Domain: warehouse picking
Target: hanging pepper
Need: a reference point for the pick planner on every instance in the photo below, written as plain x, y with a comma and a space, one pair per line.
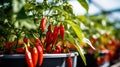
49, 27
25, 40
69, 61
48, 48
40, 54
20, 50
43, 24
28, 57
62, 31
49, 36
57, 49
50, 39
55, 34
34, 53
37, 40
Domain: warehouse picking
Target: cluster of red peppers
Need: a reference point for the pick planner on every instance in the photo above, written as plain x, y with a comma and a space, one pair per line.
51, 38
34, 54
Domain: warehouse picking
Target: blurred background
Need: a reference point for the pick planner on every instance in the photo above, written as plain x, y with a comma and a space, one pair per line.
102, 26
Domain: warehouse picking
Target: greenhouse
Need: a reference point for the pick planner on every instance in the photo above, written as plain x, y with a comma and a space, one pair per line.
60, 33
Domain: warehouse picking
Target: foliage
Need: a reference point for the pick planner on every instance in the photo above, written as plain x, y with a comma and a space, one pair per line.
21, 18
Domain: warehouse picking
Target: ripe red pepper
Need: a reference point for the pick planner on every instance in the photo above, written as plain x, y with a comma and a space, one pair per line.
28, 46
7, 45
41, 46
50, 38
69, 61
55, 34
40, 54
47, 37
49, 27
48, 48
34, 53
62, 31
43, 24
25, 40
20, 50
37, 40
56, 51
28, 57
59, 48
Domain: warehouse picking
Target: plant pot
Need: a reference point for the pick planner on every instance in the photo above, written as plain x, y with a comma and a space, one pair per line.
50, 60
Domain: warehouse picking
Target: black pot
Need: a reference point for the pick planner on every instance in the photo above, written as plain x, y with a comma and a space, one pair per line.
50, 60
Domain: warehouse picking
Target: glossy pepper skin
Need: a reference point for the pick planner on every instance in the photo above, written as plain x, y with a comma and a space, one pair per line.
43, 24
40, 54
20, 50
55, 34
48, 48
28, 57
49, 36
34, 53
62, 31
69, 62
25, 40
37, 40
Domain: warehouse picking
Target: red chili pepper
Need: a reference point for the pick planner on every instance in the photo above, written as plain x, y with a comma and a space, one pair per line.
37, 40
28, 58
49, 27
34, 53
56, 51
25, 40
40, 54
47, 37
48, 48
59, 48
7, 45
41, 46
69, 61
20, 50
28, 46
43, 24
55, 34
50, 38
62, 31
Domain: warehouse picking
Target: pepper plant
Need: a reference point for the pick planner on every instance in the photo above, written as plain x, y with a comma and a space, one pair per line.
28, 23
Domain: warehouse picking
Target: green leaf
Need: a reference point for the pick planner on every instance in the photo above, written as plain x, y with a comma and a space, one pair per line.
80, 51
17, 5
88, 42
76, 29
77, 46
84, 4
59, 9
